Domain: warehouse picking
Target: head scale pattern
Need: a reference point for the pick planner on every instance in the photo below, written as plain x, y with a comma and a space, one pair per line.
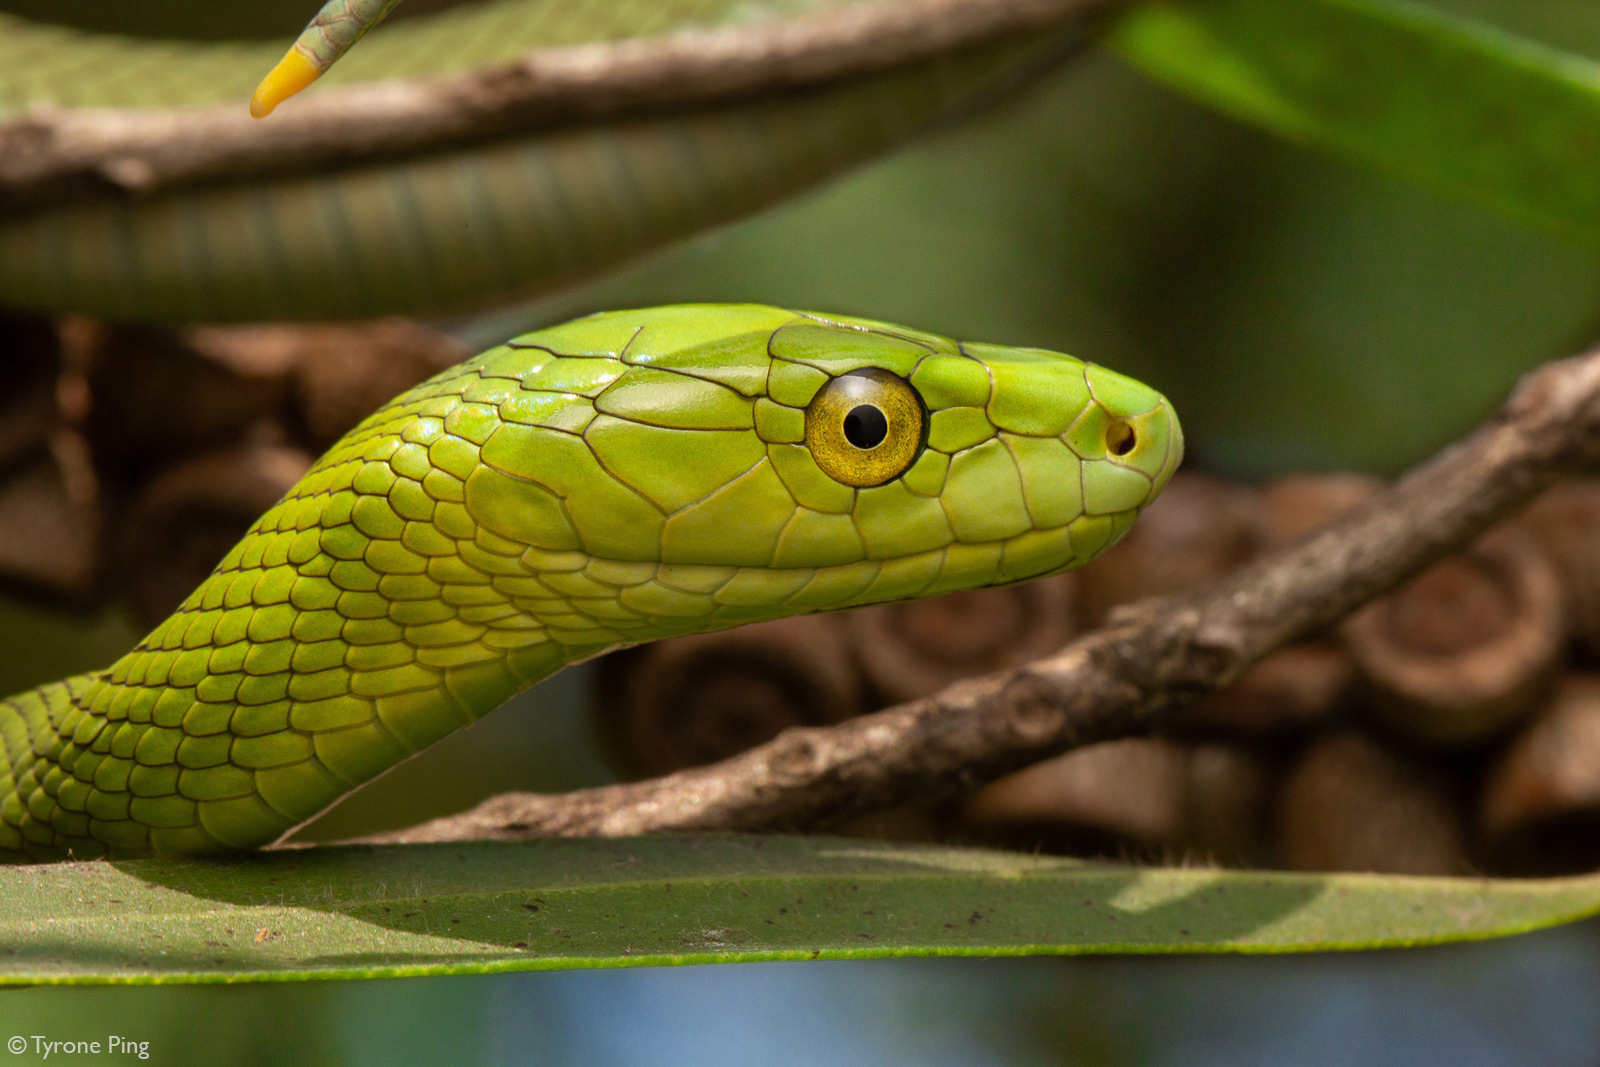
617, 479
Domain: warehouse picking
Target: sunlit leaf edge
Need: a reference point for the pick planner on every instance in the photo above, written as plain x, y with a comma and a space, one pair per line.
391, 912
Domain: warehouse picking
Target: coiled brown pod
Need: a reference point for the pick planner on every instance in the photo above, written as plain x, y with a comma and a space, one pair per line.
1351, 804
1148, 797
1464, 650
342, 373
1198, 530
190, 515
1540, 809
161, 398
698, 699
1566, 521
911, 649
30, 366
1297, 687
51, 520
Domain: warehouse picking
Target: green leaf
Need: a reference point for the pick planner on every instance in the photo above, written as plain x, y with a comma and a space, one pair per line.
1449, 102
446, 909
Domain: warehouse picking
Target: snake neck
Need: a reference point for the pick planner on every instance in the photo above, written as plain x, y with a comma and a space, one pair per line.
361, 619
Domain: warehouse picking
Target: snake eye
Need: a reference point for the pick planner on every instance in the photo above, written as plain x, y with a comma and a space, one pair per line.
865, 428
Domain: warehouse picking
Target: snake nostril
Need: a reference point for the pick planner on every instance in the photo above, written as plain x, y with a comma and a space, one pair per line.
1120, 438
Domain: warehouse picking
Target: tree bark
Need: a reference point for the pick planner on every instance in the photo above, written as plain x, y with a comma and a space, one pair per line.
51, 153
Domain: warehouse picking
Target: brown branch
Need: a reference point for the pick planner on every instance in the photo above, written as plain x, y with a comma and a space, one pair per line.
52, 152
1151, 659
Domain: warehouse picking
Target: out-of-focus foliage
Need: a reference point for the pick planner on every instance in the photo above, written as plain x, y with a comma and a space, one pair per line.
1453, 102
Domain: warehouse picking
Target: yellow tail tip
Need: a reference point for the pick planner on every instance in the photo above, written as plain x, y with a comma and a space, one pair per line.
293, 73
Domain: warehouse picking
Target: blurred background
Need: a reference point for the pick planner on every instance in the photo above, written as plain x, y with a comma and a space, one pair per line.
1303, 315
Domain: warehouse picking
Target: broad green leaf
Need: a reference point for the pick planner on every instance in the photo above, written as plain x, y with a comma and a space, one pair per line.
369, 912
1447, 101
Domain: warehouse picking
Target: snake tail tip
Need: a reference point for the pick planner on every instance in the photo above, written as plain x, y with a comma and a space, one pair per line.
293, 73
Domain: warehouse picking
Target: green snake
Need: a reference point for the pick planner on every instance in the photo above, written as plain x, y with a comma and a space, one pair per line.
433, 227
625, 477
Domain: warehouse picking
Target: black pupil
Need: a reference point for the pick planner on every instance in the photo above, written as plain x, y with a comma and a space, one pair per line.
865, 427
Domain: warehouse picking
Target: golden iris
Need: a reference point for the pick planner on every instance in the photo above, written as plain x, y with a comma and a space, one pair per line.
865, 428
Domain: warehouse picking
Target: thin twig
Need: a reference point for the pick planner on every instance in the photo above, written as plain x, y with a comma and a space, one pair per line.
1154, 656
51, 153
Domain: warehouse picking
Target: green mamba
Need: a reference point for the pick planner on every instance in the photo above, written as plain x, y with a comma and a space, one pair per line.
626, 477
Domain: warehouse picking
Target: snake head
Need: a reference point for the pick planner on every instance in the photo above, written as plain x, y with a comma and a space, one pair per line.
622, 478
771, 462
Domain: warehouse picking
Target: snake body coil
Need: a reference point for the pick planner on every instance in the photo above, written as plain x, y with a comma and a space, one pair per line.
622, 478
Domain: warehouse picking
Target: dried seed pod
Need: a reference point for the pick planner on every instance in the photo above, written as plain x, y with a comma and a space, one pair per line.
1566, 520
1291, 689
185, 520
30, 365
51, 521
1113, 797
1465, 649
1198, 529
158, 400
1144, 796
906, 822
1293, 506
345, 372
698, 699
1228, 794
1301, 686
911, 649
1350, 804
1540, 809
